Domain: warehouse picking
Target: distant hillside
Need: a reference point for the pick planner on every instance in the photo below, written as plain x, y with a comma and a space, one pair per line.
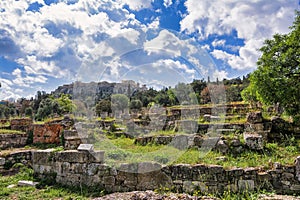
98, 90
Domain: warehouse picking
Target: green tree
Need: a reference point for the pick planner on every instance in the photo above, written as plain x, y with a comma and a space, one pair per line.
47, 108
103, 106
136, 104
65, 104
119, 102
29, 111
277, 78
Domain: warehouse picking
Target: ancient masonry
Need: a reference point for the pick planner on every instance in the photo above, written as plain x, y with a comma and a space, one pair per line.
87, 168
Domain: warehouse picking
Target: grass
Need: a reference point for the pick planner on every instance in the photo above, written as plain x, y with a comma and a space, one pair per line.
45, 193
7, 131
122, 150
6, 124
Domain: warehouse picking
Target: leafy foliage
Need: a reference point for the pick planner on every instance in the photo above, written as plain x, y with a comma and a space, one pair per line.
103, 106
277, 78
119, 102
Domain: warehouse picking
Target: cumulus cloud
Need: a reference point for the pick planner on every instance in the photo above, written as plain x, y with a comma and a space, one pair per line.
220, 75
216, 43
138, 4
53, 41
74, 39
253, 21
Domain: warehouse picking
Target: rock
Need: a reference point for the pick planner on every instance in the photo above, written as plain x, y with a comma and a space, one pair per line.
11, 186
246, 185
297, 163
254, 117
277, 165
27, 183
222, 147
221, 158
254, 141
86, 147
2, 161
236, 143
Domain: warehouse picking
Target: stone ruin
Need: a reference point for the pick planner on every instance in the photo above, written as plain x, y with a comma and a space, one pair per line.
87, 167
84, 167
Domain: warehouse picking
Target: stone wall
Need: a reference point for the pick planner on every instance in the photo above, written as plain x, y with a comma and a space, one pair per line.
12, 140
47, 133
78, 168
24, 157
23, 124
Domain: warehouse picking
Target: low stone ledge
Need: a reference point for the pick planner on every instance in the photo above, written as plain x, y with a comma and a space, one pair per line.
13, 140
74, 156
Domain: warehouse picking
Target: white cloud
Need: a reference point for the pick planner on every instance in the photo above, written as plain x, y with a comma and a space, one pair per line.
254, 21
216, 43
17, 72
138, 4
220, 75
205, 47
5, 83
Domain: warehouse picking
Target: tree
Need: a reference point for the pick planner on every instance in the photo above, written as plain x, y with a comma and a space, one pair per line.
213, 93
47, 108
103, 106
136, 104
119, 102
29, 111
277, 78
65, 104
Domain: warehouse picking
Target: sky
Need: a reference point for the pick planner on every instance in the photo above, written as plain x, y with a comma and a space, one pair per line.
47, 43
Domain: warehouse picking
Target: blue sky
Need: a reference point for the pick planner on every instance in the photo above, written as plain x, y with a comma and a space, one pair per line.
47, 43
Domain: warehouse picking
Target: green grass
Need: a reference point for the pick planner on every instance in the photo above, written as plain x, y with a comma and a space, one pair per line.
274, 153
7, 124
7, 131
164, 133
122, 150
28, 193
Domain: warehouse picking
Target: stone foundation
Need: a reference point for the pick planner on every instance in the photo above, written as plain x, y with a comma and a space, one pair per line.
75, 168
47, 133
12, 140
23, 124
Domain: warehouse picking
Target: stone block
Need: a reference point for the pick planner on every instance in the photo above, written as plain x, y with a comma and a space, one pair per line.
222, 147
43, 157
129, 167
72, 156
78, 168
236, 172
92, 169
254, 117
232, 187
187, 126
2, 161
297, 164
27, 183
86, 147
254, 141
263, 176
246, 185
192, 186
145, 167
295, 187
287, 176
47, 133
109, 180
